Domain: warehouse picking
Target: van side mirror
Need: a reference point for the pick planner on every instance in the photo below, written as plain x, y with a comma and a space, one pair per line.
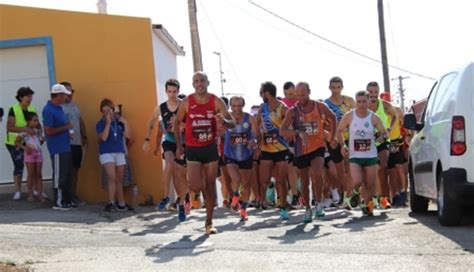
409, 122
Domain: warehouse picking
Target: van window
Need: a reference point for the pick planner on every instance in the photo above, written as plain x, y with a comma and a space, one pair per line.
429, 103
445, 95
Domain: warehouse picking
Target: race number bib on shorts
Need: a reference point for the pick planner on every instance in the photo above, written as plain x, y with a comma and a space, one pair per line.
394, 147
310, 128
270, 139
203, 134
238, 138
362, 145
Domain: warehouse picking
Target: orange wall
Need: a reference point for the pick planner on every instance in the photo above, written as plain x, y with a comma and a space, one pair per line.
102, 56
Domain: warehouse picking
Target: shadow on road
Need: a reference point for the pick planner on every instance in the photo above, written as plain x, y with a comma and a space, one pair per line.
355, 224
184, 247
462, 235
22, 211
298, 233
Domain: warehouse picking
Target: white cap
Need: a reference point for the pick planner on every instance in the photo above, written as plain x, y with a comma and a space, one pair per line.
58, 88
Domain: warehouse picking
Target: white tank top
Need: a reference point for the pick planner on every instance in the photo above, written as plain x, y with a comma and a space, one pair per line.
361, 137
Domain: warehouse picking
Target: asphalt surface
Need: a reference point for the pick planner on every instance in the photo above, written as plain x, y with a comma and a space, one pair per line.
88, 239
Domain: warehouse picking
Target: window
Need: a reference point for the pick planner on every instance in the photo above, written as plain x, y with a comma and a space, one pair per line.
445, 94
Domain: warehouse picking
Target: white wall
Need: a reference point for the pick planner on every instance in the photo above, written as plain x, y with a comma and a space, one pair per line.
165, 66
22, 66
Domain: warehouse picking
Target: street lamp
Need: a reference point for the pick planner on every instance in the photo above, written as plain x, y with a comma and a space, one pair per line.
220, 71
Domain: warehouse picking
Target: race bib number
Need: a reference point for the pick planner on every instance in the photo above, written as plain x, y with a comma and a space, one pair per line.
394, 147
238, 139
203, 134
269, 139
170, 127
362, 145
310, 128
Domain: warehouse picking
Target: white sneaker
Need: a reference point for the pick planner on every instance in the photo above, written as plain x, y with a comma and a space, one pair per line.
44, 195
326, 203
17, 196
335, 196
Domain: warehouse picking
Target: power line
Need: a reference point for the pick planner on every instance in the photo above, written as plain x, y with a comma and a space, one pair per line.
334, 43
299, 37
222, 47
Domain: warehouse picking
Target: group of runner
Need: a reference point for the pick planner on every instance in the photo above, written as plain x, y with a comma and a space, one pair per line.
307, 150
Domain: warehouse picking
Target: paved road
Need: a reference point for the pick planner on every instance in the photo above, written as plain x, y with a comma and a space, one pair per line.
89, 239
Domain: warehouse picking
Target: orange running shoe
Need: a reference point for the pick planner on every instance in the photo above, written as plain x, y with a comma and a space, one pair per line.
385, 203
244, 216
235, 202
370, 208
196, 202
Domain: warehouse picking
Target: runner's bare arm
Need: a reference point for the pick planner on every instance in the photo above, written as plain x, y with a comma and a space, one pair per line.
389, 109
182, 111
377, 122
159, 136
343, 125
227, 119
151, 125
285, 130
258, 123
400, 115
331, 118
152, 122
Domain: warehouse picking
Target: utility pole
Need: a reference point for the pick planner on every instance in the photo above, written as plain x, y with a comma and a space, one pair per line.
220, 72
383, 47
196, 44
401, 90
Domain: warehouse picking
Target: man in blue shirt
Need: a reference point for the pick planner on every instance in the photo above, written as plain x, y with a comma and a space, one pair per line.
56, 129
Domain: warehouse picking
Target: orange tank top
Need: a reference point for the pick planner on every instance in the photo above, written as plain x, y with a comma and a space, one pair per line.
311, 123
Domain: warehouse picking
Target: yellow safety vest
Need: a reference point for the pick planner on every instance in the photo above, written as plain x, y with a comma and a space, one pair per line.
20, 122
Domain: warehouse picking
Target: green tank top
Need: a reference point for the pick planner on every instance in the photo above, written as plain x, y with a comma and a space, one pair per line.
382, 114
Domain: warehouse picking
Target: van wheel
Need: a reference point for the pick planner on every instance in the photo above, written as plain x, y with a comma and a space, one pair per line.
418, 203
449, 210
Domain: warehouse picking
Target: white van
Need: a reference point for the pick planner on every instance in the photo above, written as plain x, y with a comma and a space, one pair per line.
441, 161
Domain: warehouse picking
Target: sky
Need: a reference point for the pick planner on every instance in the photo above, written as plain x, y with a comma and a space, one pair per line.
428, 37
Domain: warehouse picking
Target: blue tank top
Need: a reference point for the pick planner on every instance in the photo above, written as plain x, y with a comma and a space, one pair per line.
236, 140
167, 123
339, 110
271, 122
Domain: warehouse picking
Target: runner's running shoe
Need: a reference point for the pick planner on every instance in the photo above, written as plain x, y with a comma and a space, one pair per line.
163, 203
181, 213
196, 202
284, 214
385, 203
319, 211
210, 229
244, 216
235, 202
308, 216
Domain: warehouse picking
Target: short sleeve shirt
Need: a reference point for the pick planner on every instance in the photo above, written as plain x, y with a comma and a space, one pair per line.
114, 143
73, 115
54, 117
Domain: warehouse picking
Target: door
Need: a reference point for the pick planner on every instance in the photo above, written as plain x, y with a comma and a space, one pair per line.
22, 66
